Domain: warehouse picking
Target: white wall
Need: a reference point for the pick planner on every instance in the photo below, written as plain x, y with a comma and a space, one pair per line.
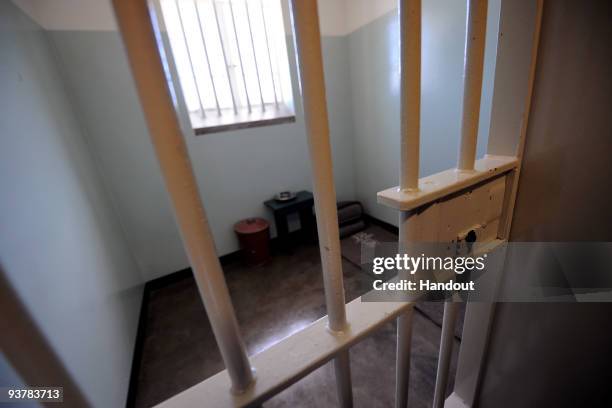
362, 12
98, 15
60, 244
237, 171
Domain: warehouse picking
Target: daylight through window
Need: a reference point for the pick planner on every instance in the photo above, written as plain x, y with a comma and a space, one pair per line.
231, 58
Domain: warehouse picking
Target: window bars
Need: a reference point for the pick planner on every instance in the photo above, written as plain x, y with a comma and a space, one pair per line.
231, 57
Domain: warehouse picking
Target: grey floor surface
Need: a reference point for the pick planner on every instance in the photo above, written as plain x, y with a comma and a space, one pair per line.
272, 302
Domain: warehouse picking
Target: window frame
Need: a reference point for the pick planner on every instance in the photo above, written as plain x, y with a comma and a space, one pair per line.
283, 112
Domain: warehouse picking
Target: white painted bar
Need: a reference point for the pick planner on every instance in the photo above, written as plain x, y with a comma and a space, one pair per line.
446, 348
300, 355
138, 36
472, 82
342, 369
263, 17
410, 127
441, 184
409, 230
402, 362
310, 65
246, 91
510, 110
210, 75
248, 15
195, 81
229, 78
410, 102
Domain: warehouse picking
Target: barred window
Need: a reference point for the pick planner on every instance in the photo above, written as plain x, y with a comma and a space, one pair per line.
232, 63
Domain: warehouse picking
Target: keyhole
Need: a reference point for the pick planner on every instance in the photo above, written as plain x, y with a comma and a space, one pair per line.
471, 237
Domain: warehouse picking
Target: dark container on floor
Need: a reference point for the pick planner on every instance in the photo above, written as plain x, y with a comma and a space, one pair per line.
254, 237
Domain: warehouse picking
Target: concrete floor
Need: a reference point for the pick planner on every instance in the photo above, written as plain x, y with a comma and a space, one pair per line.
272, 302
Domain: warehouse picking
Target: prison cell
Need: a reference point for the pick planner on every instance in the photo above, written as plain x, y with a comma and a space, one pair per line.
435, 208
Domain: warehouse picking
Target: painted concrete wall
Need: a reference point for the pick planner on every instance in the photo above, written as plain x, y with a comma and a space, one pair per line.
97, 15
61, 246
559, 354
237, 171
375, 82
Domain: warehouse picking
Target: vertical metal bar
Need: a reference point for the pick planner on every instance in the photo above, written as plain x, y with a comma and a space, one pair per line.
195, 81
229, 78
402, 365
135, 24
408, 232
342, 369
310, 64
446, 349
306, 25
246, 91
410, 106
212, 81
246, 6
472, 81
263, 17
410, 63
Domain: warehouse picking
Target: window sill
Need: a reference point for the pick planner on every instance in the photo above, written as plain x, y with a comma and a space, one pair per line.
228, 121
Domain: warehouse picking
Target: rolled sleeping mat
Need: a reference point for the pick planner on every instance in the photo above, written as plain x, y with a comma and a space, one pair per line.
349, 211
351, 228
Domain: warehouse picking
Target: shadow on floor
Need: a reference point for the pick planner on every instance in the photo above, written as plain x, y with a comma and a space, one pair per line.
272, 302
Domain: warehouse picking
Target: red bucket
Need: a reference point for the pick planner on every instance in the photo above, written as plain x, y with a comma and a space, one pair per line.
254, 237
